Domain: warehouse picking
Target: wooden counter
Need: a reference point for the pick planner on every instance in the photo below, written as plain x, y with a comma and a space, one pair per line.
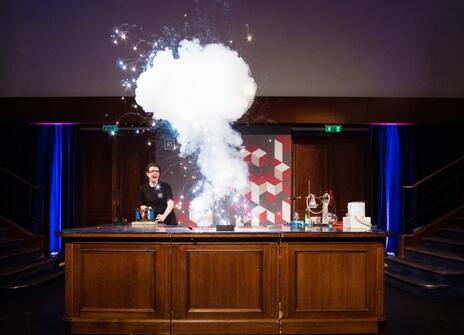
121, 280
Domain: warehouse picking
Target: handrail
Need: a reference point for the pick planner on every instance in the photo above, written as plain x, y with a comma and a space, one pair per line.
24, 202
21, 179
422, 205
432, 174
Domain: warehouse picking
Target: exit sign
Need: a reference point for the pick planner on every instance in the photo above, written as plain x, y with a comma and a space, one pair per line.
111, 129
333, 128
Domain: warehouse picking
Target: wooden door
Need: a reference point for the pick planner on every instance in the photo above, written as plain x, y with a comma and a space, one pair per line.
111, 170
339, 164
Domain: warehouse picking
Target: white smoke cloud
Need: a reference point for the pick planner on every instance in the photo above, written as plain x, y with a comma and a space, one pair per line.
201, 93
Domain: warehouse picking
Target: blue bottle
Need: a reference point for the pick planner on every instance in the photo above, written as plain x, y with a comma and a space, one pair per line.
138, 217
151, 214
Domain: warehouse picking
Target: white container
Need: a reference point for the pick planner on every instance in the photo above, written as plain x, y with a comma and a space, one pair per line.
357, 208
356, 222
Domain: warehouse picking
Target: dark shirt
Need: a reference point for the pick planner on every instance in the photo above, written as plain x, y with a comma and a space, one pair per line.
157, 198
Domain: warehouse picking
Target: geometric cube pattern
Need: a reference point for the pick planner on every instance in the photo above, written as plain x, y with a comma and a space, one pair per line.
269, 159
258, 157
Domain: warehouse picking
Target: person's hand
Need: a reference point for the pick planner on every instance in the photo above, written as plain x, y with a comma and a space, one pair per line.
142, 212
160, 218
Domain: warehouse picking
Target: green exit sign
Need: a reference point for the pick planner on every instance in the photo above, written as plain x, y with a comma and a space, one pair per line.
111, 129
333, 128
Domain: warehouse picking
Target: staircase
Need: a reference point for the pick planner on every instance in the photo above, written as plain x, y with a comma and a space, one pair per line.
431, 251
431, 260
22, 253
22, 260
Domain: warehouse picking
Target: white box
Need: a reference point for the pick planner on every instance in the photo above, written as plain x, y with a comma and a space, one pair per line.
357, 222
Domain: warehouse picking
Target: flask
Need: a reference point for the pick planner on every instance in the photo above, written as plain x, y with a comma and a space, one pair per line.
146, 212
307, 218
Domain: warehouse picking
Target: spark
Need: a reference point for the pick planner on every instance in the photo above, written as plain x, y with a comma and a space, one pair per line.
249, 35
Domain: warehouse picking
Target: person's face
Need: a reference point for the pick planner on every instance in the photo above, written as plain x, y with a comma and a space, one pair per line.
153, 174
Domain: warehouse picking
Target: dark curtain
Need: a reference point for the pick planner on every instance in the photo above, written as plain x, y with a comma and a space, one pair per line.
56, 168
386, 143
43, 157
70, 188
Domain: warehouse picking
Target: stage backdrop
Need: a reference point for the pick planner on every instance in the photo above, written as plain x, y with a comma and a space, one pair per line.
268, 158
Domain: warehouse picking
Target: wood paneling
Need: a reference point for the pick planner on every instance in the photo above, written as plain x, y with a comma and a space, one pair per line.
265, 110
133, 155
206, 295
340, 164
353, 110
81, 110
345, 295
95, 178
106, 287
224, 283
117, 281
111, 170
246, 283
331, 283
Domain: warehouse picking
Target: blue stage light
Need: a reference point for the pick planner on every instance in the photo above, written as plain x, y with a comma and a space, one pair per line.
55, 191
389, 190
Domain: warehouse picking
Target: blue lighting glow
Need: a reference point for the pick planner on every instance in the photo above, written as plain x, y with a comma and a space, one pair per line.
389, 190
56, 190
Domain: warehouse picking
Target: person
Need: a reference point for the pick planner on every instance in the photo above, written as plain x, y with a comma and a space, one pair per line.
157, 195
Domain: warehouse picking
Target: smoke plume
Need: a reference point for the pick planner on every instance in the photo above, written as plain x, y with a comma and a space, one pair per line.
201, 90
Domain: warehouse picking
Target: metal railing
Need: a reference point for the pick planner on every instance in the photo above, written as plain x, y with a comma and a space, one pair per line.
22, 202
433, 196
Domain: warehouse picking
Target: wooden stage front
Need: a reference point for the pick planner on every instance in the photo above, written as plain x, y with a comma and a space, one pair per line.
158, 280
